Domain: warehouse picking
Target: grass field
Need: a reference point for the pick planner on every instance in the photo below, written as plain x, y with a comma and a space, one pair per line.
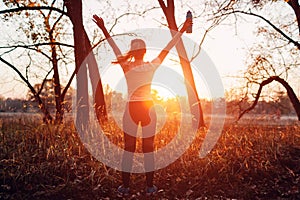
250, 161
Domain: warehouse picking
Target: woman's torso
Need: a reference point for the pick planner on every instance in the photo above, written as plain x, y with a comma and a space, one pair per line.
139, 80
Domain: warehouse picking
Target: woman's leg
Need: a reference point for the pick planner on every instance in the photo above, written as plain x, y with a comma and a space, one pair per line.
149, 129
130, 143
130, 130
148, 149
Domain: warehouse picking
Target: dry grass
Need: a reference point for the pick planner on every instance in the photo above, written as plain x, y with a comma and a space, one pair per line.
249, 162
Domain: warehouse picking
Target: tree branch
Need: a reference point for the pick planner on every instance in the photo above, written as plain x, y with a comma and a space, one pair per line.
295, 6
37, 44
47, 116
64, 92
44, 81
126, 14
19, 9
293, 98
297, 44
261, 85
162, 5
171, 6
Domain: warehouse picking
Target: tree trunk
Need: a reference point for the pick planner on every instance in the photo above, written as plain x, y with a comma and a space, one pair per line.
293, 97
54, 61
56, 82
291, 94
194, 102
98, 94
83, 51
74, 10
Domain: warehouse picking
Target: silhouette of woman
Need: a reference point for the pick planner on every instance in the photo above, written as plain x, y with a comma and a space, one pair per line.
138, 75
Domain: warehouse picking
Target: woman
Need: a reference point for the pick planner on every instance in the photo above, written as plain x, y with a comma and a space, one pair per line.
138, 74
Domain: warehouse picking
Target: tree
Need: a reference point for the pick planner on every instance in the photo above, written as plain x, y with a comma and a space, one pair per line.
71, 11
47, 95
84, 59
43, 30
194, 102
48, 40
271, 60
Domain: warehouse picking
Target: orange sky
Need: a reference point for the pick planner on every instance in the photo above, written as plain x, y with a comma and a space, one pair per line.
225, 45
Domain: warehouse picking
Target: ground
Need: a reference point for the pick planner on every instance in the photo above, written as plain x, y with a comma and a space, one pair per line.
250, 161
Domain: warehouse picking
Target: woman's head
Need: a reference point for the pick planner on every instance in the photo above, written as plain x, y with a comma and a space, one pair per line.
138, 45
137, 51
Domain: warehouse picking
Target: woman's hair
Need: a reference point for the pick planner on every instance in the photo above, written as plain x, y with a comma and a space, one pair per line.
136, 45
123, 58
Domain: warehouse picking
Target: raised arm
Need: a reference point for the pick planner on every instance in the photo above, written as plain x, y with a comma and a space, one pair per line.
162, 55
99, 21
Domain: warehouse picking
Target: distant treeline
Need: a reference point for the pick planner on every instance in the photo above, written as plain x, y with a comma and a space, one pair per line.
22, 105
281, 106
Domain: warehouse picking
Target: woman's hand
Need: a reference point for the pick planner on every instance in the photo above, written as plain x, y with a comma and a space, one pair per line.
99, 21
188, 22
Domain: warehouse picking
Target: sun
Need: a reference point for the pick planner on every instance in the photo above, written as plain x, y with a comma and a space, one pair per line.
161, 93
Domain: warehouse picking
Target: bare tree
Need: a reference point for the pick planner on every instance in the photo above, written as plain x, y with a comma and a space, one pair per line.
194, 102
44, 37
277, 57
50, 37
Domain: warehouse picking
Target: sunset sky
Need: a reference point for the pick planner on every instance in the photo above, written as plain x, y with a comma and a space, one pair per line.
226, 45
